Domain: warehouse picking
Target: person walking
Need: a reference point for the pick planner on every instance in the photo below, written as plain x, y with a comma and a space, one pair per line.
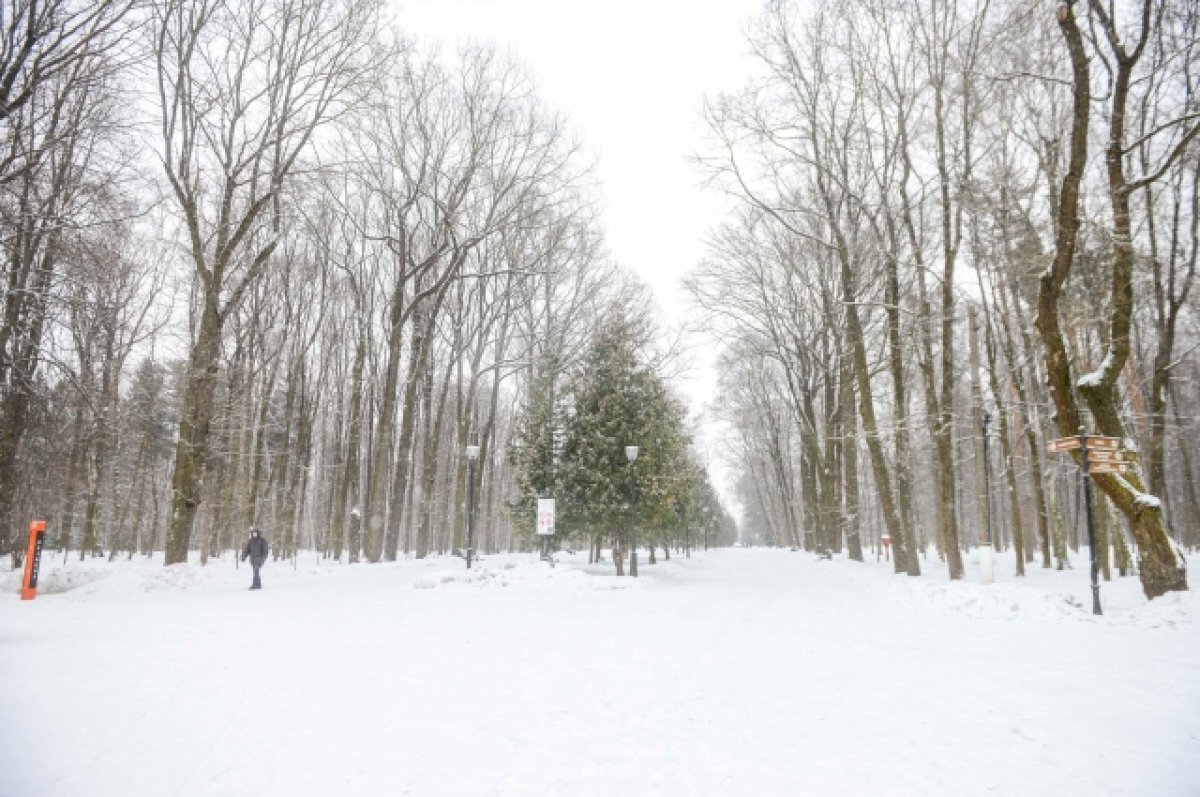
256, 549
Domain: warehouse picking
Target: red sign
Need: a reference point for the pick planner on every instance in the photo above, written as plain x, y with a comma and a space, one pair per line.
33, 559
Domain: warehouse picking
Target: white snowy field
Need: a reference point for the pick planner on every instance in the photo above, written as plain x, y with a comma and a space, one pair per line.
735, 672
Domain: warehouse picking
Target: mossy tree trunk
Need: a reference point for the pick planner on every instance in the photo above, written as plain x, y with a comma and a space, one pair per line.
1159, 570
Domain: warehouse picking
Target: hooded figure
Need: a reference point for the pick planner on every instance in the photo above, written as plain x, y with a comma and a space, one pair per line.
256, 549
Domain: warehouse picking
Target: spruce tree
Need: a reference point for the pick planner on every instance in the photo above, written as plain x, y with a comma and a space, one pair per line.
616, 400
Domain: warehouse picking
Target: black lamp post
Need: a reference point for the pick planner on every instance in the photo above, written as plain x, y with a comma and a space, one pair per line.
1091, 523
687, 548
472, 455
631, 453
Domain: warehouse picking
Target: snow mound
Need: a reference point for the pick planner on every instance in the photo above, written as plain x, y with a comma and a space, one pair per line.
1042, 596
1173, 610
55, 580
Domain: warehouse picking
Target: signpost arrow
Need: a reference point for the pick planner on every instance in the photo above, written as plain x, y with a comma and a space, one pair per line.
1096, 444
1109, 456
1107, 467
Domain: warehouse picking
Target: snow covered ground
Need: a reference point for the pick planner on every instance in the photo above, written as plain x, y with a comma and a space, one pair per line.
736, 672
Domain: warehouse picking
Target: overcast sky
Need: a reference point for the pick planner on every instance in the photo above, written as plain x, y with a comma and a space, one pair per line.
631, 75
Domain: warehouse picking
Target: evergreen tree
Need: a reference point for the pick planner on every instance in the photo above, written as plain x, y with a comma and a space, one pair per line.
616, 401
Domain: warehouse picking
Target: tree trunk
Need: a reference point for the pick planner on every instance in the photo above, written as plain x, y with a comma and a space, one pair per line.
903, 460
375, 501
1029, 413
433, 443
978, 446
191, 451
1158, 568
404, 458
1185, 443
1008, 462
348, 484
850, 468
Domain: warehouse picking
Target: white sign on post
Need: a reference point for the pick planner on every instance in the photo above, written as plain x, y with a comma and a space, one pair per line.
545, 517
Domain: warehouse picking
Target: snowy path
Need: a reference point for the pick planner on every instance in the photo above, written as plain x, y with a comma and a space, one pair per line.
736, 672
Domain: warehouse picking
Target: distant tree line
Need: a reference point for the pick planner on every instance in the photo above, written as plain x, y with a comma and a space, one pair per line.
957, 220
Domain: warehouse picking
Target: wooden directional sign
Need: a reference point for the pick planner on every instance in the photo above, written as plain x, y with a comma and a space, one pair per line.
1109, 456
1095, 443
1108, 467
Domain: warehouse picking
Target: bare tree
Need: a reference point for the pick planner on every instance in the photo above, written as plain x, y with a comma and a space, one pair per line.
59, 148
243, 88
1159, 570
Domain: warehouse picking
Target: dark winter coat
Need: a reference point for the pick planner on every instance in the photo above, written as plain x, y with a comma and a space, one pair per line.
256, 549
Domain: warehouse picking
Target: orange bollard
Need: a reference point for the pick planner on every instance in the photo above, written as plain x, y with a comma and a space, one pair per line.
33, 558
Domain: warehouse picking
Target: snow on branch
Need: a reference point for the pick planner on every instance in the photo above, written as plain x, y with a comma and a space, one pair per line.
1100, 375
1147, 501
1140, 499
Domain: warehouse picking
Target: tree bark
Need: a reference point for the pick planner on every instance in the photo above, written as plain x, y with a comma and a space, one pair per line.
191, 450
